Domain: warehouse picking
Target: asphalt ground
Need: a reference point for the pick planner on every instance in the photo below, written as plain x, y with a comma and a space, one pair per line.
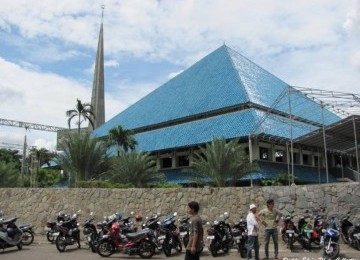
43, 250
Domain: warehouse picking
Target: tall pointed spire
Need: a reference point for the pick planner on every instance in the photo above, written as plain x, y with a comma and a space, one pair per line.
97, 97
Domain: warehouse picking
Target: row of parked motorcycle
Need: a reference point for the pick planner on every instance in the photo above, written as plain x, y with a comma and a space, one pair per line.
134, 236
322, 231
120, 234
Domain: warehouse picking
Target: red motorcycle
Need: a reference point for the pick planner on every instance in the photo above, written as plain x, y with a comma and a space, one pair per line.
139, 243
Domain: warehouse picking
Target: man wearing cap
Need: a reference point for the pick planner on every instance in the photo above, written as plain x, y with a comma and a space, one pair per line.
269, 217
252, 227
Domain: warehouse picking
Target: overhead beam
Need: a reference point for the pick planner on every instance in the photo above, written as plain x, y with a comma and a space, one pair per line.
27, 125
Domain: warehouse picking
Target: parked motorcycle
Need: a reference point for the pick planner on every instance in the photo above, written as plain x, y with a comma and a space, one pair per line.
330, 241
69, 234
219, 236
10, 234
349, 232
184, 229
307, 234
171, 235
132, 243
28, 234
51, 228
27, 229
288, 232
239, 232
91, 234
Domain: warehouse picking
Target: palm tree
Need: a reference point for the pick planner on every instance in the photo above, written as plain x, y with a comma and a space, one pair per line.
221, 162
121, 138
84, 158
84, 110
139, 169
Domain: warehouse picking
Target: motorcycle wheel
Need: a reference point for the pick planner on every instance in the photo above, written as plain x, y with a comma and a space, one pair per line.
105, 248
344, 238
284, 238
290, 244
186, 240
60, 243
335, 252
225, 249
50, 237
357, 244
28, 238
166, 247
20, 246
146, 250
177, 245
92, 247
214, 252
242, 250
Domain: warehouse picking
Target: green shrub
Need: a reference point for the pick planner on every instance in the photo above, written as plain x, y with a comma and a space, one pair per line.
102, 184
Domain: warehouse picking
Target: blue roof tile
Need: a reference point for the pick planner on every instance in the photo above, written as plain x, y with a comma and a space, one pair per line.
222, 79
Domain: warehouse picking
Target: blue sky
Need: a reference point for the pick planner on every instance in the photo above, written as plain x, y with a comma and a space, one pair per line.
48, 48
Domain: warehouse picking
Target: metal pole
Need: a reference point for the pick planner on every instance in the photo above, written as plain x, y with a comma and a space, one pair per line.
324, 138
342, 167
319, 166
251, 159
288, 161
291, 139
356, 149
23, 163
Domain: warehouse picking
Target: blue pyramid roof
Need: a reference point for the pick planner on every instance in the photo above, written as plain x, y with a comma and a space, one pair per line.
177, 113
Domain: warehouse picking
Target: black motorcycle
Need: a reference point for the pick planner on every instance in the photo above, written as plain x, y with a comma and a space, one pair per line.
171, 235
239, 232
184, 229
350, 233
91, 234
289, 232
220, 236
52, 226
69, 234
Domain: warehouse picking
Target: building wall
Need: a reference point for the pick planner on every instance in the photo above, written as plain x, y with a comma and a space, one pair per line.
37, 206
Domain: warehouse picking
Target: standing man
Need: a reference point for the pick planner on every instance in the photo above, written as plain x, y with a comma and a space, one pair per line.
269, 217
253, 228
194, 245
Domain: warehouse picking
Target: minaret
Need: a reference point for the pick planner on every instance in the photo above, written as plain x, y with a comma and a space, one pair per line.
97, 97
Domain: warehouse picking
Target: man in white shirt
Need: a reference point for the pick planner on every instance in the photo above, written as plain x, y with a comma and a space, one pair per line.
253, 228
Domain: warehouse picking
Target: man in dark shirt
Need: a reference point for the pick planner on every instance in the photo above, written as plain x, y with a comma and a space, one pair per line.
194, 246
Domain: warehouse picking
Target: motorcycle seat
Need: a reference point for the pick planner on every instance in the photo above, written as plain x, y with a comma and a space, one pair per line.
137, 235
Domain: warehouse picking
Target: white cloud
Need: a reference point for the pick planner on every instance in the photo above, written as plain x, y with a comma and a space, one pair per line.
110, 63
312, 43
174, 74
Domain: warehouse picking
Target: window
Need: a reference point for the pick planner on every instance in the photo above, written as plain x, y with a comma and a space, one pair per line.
166, 162
183, 161
264, 153
306, 160
279, 156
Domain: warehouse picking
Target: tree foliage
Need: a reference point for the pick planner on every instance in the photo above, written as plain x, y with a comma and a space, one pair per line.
84, 158
9, 174
121, 138
83, 112
139, 169
221, 163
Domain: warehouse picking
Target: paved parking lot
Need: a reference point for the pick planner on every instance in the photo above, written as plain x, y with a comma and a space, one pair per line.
42, 250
